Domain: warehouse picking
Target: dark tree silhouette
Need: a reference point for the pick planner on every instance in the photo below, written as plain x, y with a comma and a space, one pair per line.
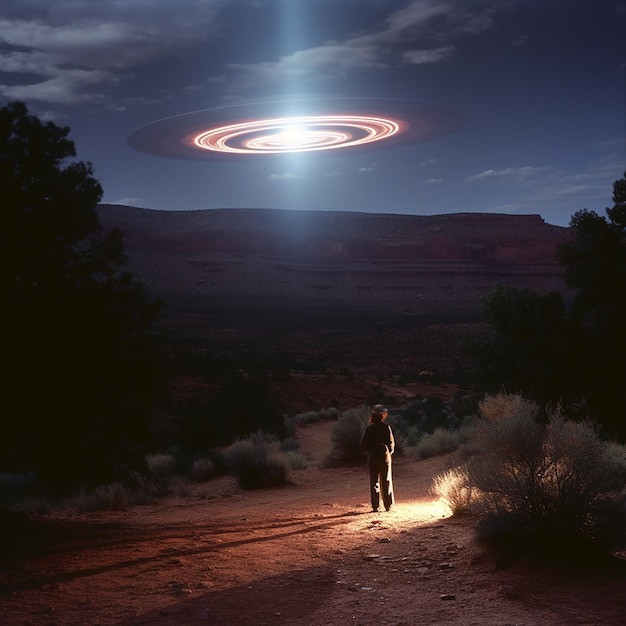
529, 348
82, 366
595, 266
553, 353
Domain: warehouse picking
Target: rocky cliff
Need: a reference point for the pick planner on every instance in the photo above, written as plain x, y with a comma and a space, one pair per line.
405, 261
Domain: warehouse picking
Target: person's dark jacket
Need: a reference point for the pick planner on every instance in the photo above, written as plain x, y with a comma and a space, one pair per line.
378, 442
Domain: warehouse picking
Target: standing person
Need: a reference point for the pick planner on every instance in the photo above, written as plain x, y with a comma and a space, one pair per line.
378, 442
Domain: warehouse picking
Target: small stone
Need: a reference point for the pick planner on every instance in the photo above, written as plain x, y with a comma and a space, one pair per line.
372, 557
447, 596
384, 540
509, 592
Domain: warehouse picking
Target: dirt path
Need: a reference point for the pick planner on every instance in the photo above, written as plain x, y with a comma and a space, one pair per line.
311, 553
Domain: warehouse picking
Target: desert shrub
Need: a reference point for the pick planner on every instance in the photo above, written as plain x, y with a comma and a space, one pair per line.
413, 436
440, 441
297, 460
203, 469
257, 462
427, 415
493, 407
454, 489
290, 444
161, 466
464, 406
32, 505
331, 413
308, 417
313, 417
345, 437
555, 482
113, 497
38, 500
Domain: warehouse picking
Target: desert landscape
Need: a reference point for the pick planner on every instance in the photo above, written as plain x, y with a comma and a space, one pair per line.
306, 554
411, 264
361, 298
363, 302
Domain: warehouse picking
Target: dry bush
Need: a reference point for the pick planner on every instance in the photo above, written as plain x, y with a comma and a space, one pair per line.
440, 441
202, 470
161, 466
345, 437
454, 489
113, 497
257, 462
494, 407
557, 480
313, 417
296, 459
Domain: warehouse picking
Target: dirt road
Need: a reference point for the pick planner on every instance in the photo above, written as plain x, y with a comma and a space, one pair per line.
307, 554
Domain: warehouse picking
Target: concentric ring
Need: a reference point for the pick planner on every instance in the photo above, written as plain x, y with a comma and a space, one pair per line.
288, 126
296, 134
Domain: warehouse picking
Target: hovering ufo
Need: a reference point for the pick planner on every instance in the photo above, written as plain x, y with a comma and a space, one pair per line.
295, 126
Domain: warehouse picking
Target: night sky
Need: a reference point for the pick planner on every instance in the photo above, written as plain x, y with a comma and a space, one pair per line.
540, 84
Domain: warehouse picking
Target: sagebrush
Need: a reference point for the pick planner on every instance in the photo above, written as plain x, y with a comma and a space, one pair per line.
551, 480
257, 461
345, 437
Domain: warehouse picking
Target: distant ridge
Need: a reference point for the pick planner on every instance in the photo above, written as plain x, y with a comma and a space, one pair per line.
344, 257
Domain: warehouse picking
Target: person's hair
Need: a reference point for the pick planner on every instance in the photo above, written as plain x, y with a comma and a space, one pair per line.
376, 417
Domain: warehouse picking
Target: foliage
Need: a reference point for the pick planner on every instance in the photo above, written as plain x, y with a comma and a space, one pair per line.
421, 423
203, 469
493, 407
84, 368
257, 461
557, 354
240, 406
297, 460
552, 483
426, 414
595, 266
346, 435
312, 417
530, 348
454, 488
161, 466
440, 441
114, 497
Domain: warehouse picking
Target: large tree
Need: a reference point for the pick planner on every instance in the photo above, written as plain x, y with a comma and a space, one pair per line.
528, 349
82, 368
550, 352
595, 267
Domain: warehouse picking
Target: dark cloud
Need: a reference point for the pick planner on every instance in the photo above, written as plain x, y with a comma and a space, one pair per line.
540, 83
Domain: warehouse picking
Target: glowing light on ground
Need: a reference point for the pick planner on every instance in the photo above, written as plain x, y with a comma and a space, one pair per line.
435, 509
406, 515
421, 512
295, 126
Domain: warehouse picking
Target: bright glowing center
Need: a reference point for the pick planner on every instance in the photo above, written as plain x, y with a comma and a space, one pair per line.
296, 134
292, 137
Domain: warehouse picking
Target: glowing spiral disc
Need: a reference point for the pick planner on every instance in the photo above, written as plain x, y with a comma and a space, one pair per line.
319, 125
314, 133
